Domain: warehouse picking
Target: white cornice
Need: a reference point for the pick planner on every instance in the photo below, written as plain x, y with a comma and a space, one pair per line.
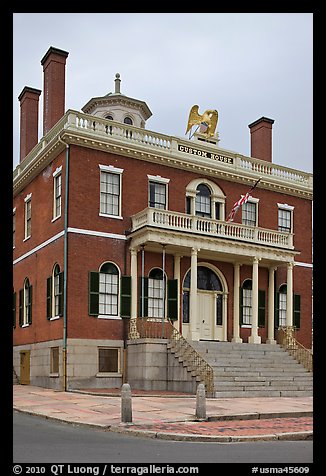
92, 132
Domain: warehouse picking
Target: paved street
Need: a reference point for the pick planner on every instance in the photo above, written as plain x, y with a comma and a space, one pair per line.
40, 440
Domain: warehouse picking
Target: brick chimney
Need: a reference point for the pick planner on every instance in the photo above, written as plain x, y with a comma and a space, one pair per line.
54, 65
28, 98
261, 138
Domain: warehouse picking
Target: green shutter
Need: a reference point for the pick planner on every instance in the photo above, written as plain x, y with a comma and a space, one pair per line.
261, 307
61, 277
276, 310
49, 297
173, 299
125, 297
94, 287
296, 310
30, 298
241, 305
14, 310
21, 303
143, 300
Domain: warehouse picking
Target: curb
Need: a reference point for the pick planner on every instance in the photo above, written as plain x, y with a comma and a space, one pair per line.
298, 436
126, 428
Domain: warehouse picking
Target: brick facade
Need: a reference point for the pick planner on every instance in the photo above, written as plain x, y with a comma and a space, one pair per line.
93, 239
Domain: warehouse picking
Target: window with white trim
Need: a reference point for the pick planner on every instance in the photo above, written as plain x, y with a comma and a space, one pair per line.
25, 304
28, 216
108, 360
285, 217
158, 192
14, 228
156, 288
57, 193
110, 191
247, 303
282, 305
249, 213
109, 290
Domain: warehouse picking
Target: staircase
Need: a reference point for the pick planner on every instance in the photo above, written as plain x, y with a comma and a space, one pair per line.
254, 370
15, 377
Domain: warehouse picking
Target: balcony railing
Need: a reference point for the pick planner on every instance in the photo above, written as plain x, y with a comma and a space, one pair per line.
103, 130
175, 221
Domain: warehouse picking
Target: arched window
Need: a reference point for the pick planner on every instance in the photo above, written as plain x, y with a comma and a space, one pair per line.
109, 117
156, 298
246, 304
108, 290
128, 120
203, 201
56, 290
207, 280
282, 305
25, 304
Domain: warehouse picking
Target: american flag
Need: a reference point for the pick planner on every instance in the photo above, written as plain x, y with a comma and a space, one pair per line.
241, 202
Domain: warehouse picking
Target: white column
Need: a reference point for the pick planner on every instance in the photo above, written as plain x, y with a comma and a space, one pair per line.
236, 304
289, 295
177, 274
133, 272
270, 324
254, 338
193, 295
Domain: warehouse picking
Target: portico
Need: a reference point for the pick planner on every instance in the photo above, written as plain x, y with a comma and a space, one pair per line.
213, 312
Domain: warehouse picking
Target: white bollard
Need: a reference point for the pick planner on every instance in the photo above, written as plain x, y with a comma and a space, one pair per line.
126, 407
201, 402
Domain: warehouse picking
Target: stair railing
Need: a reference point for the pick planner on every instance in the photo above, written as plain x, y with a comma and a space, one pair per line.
285, 337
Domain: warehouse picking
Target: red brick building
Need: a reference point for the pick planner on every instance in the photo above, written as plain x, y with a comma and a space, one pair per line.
113, 222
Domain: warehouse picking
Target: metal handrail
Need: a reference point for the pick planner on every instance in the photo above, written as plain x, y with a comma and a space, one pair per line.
285, 337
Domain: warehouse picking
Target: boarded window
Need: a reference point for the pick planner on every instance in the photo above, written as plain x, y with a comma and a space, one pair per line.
108, 360
54, 364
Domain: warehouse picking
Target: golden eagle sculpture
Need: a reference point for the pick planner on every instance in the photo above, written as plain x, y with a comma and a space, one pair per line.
206, 121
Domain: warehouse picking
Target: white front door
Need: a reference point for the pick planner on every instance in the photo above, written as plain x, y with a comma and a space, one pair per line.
205, 314
206, 317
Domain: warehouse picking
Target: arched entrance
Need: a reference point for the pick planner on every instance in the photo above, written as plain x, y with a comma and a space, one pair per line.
211, 321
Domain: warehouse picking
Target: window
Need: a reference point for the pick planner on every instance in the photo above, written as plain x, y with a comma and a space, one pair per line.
158, 191
247, 302
203, 201
28, 216
14, 228
57, 195
109, 296
110, 191
205, 198
157, 195
108, 360
54, 294
156, 288
25, 304
128, 120
285, 218
249, 213
54, 360
282, 306
108, 290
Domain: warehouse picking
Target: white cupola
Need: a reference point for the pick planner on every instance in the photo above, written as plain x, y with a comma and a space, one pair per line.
118, 107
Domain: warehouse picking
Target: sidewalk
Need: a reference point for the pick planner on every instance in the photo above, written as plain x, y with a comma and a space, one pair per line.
168, 415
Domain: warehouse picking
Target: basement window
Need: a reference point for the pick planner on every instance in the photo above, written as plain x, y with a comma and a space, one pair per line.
108, 360
54, 361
